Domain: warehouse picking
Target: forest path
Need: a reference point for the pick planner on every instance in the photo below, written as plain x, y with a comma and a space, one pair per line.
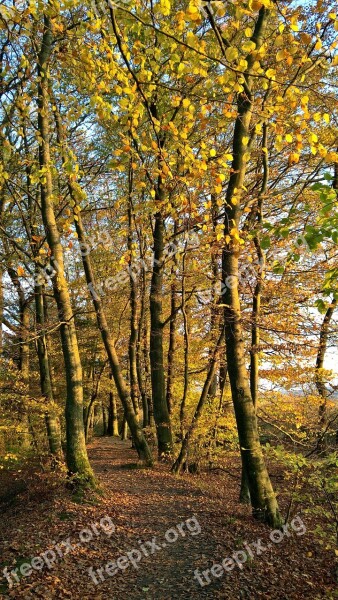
154, 508
152, 503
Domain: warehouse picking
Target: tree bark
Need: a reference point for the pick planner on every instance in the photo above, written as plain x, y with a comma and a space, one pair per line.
143, 371
263, 499
186, 347
51, 418
77, 458
320, 384
172, 332
113, 423
256, 301
161, 413
132, 346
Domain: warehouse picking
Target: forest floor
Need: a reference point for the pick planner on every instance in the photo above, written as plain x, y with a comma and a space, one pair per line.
169, 526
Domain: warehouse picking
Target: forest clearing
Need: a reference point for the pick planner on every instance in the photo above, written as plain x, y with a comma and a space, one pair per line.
168, 299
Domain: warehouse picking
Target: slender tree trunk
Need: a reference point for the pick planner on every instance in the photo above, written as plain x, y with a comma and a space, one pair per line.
172, 332
263, 499
139, 439
161, 413
104, 419
256, 301
182, 457
124, 428
51, 418
136, 431
145, 352
113, 423
320, 384
132, 346
142, 379
186, 347
24, 368
213, 436
23, 363
215, 310
77, 458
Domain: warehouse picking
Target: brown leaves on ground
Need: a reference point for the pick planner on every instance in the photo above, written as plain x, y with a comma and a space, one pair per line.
144, 504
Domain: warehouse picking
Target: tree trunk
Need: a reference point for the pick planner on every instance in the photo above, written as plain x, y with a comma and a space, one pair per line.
23, 363
172, 332
124, 428
52, 420
132, 346
161, 413
136, 431
24, 369
113, 423
320, 384
77, 458
142, 343
139, 439
256, 301
182, 457
186, 347
263, 499
215, 310
104, 420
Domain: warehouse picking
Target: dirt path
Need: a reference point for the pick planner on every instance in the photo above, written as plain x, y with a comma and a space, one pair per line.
170, 527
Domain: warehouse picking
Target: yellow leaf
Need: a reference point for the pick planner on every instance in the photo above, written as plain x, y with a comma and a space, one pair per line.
254, 4
212, 152
294, 158
231, 53
21, 271
165, 7
248, 46
271, 73
289, 137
